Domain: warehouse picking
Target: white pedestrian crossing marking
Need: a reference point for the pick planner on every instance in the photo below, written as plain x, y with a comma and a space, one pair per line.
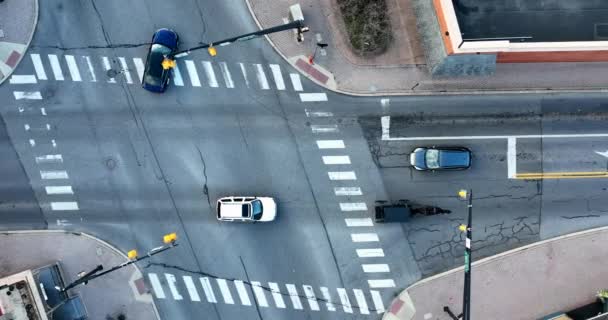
329, 160
226, 74
347, 191
225, 291
330, 144
156, 286
344, 300
278, 77
37, 61
92, 75
171, 282
318, 114
353, 206
359, 222
208, 290
32, 142
311, 298
370, 253
293, 294
210, 74
25, 95
108, 67
378, 304
244, 72
295, 81
22, 79
139, 66
381, 283
53, 175
261, 76
327, 128
361, 301
177, 76
373, 268
276, 295
59, 190
327, 297
125, 69
191, 288
364, 237
342, 175
313, 97
258, 292
56, 67
49, 158
192, 73
242, 291
64, 206
72, 67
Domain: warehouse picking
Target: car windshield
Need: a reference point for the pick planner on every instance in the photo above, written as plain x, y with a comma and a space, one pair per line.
257, 209
155, 66
432, 159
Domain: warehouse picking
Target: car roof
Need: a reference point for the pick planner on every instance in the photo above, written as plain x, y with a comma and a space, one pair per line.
166, 37
233, 209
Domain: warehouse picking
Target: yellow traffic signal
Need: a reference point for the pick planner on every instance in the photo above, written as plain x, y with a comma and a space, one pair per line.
212, 51
132, 255
462, 194
170, 238
168, 63
462, 227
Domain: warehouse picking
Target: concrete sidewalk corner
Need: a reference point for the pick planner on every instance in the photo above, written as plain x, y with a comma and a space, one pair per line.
18, 20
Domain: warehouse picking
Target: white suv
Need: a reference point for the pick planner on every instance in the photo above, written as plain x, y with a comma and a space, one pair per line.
246, 209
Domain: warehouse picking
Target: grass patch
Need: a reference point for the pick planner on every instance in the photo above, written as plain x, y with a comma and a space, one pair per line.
367, 24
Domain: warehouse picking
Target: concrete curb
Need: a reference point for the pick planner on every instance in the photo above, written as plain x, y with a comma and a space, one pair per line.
29, 41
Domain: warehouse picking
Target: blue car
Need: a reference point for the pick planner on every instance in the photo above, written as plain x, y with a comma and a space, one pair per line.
440, 158
155, 78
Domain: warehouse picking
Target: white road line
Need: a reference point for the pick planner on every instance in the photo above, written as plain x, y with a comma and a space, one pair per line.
192, 73
53, 175
177, 77
318, 114
73, 67
295, 81
156, 286
370, 253
329, 160
342, 175
276, 295
64, 206
191, 288
385, 102
313, 97
22, 79
91, 70
242, 291
225, 291
330, 144
525, 136
359, 222
171, 282
125, 69
511, 158
244, 71
353, 206
381, 283
258, 292
208, 290
373, 268
261, 76
59, 190
364, 237
348, 191
325, 292
107, 66
53, 143
32, 142
278, 77
56, 67
226, 74
210, 74
360, 297
344, 300
386, 127
378, 304
311, 298
27, 95
40, 73
43, 111
139, 66
26, 127
328, 128
295, 298
57, 158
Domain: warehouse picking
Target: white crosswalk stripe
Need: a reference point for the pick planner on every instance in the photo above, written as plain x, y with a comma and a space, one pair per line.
225, 291
373, 268
361, 301
91, 71
22, 79
191, 288
64, 206
54, 175
27, 95
38, 66
296, 82
364, 237
311, 298
156, 286
107, 67
139, 66
324, 128
378, 304
327, 297
212, 80
226, 74
177, 76
261, 76
125, 69
353, 206
242, 291
381, 283
329, 160
278, 77
208, 290
56, 67
59, 190
347, 191
342, 175
344, 300
192, 73
370, 253
172, 287
359, 222
293, 294
313, 97
72, 67
258, 291
244, 72
276, 295
330, 144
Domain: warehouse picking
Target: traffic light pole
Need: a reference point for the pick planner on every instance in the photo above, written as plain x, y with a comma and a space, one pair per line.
466, 299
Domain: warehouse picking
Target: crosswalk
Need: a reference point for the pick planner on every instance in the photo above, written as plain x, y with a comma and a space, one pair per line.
208, 74
265, 295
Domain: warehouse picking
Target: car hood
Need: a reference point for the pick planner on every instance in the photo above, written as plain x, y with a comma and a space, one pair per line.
270, 209
456, 158
417, 159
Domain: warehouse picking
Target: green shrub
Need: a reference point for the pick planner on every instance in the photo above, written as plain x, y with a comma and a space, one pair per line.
367, 24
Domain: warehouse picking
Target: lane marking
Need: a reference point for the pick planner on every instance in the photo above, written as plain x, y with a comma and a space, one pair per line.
342, 175
330, 144
278, 76
318, 114
313, 97
57, 158
353, 206
258, 292
296, 82
561, 175
43, 111
347, 191
64, 206
226, 74
360, 297
171, 280
381, 283
191, 288
385, 102
261, 76
208, 290
156, 286
327, 297
139, 67
192, 73
359, 222
370, 253
344, 300
212, 80
511, 158
59, 190
53, 143
22, 79
386, 126
310, 296
37, 61
73, 67
330, 160
177, 77
54, 175
295, 298
56, 67
108, 67
27, 95
225, 291
244, 71
364, 237
26, 127
242, 291
32, 142
378, 304
125, 69
373, 268
276, 295
316, 128
91, 70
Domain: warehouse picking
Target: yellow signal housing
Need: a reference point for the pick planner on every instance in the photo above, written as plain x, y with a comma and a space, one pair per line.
132, 255
462, 194
170, 238
212, 51
168, 64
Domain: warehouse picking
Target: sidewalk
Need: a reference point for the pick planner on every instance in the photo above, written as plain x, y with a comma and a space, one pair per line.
402, 69
18, 20
119, 292
555, 275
